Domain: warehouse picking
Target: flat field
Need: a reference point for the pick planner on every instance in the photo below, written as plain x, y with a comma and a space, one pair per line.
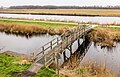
74, 12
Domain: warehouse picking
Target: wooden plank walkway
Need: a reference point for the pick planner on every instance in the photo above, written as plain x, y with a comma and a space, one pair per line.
48, 53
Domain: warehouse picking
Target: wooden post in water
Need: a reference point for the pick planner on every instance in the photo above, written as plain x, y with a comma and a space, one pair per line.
64, 55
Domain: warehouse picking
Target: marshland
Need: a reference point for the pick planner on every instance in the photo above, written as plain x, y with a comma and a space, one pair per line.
31, 27
38, 32
24, 31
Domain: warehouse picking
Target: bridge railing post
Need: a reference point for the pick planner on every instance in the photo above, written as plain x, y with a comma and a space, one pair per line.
84, 26
57, 64
44, 60
33, 59
51, 44
67, 40
44, 56
57, 41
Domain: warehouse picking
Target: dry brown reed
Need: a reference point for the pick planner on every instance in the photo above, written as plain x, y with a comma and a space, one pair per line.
92, 69
30, 29
105, 37
88, 69
24, 29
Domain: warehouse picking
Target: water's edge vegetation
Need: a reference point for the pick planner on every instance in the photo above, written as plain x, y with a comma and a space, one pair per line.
105, 37
31, 27
11, 66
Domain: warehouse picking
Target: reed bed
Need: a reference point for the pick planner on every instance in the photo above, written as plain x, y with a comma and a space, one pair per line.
105, 37
23, 29
92, 69
29, 29
88, 69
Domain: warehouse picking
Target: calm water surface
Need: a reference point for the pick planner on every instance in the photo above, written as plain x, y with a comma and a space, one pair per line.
22, 44
95, 54
66, 18
110, 57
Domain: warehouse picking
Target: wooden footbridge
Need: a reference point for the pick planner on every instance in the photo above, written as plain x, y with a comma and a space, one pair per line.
49, 53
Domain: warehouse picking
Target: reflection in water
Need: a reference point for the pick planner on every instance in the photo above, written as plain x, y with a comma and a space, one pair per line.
24, 35
88, 52
76, 57
22, 44
104, 56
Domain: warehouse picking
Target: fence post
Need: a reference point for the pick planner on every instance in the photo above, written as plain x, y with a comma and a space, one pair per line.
84, 26
51, 44
57, 40
57, 64
44, 56
33, 54
44, 60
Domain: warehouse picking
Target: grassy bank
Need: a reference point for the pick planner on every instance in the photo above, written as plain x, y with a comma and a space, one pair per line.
10, 66
31, 27
78, 12
47, 72
105, 37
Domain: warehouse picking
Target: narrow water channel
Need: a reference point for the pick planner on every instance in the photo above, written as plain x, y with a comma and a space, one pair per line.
98, 19
101, 56
96, 54
92, 53
21, 44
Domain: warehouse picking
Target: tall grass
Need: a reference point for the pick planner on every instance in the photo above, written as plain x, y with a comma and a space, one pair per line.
105, 36
28, 28
91, 69
88, 69
22, 29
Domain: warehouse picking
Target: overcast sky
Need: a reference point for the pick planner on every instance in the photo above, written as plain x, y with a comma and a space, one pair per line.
60, 2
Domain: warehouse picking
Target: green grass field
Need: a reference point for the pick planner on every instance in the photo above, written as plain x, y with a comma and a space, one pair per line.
118, 29
41, 23
9, 67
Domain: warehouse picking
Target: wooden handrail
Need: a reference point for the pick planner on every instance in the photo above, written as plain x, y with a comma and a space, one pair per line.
60, 43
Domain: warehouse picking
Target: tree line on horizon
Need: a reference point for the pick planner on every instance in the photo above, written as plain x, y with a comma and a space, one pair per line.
63, 7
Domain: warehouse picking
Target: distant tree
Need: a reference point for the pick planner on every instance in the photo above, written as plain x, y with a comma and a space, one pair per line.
1, 7
63, 7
